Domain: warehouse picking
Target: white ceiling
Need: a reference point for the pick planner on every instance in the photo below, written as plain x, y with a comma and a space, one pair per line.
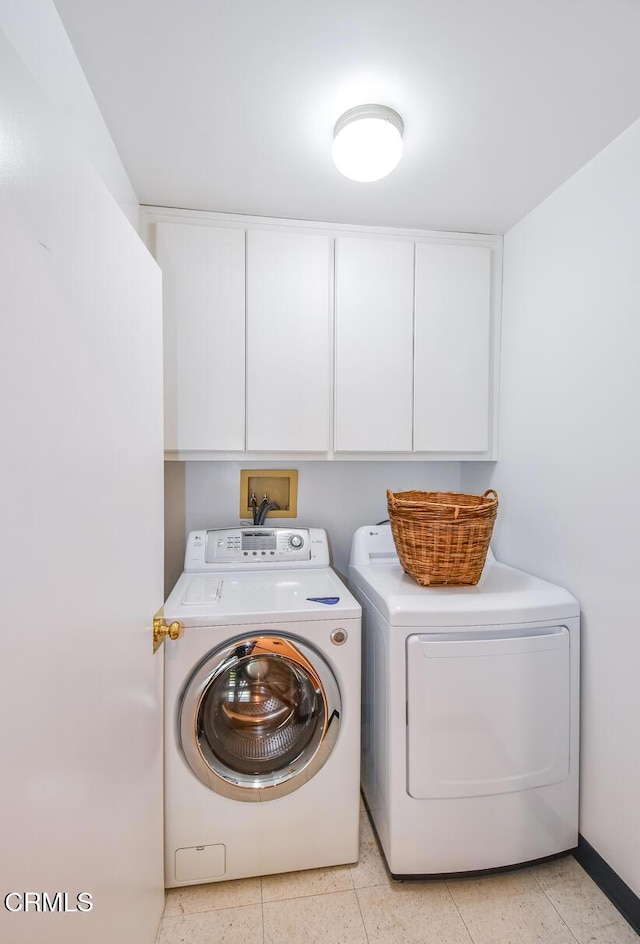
230, 104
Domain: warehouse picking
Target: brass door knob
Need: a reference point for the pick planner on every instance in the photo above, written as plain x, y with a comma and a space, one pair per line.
161, 630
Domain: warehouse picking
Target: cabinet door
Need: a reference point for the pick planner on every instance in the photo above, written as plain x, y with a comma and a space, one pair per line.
374, 345
288, 325
203, 271
452, 348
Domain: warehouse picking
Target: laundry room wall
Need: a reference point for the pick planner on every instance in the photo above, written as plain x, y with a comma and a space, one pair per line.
569, 455
35, 31
338, 496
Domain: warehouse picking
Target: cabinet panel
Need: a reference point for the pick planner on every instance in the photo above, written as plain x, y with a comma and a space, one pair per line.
452, 348
203, 269
374, 345
288, 341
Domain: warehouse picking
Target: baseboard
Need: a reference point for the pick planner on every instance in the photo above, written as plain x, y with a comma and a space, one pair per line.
625, 900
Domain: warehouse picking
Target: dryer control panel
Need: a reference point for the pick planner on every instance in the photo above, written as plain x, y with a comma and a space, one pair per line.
262, 547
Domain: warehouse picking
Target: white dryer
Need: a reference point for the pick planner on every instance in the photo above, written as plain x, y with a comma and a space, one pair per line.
262, 708
470, 715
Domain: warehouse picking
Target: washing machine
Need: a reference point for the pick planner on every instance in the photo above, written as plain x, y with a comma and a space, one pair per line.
470, 715
262, 708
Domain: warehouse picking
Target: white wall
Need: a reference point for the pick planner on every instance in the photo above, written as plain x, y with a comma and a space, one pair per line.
570, 457
35, 30
338, 496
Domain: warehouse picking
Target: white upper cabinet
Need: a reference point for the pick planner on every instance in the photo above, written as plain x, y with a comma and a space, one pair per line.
452, 348
288, 340
285, 338
374, 345
203, 272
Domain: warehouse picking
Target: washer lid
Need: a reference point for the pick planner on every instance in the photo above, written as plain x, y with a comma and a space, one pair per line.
503, 595
283, 595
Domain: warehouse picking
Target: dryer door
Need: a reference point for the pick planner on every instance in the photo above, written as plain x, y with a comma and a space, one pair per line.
489, 711
259, 717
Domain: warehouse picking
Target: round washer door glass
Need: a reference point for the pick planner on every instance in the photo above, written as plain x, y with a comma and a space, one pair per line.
259, 717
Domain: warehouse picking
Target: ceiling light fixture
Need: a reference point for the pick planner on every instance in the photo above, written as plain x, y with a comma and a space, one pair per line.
367, 142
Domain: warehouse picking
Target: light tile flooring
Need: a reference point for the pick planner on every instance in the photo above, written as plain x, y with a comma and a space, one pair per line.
553, 903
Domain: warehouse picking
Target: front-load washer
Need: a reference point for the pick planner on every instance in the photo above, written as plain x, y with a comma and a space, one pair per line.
470, 715
262, 708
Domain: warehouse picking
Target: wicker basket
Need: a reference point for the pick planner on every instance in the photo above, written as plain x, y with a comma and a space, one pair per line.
442, 538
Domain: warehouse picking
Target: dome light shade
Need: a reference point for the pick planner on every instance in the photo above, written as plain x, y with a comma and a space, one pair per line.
367, 142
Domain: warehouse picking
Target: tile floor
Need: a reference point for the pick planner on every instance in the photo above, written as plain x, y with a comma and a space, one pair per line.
554, 903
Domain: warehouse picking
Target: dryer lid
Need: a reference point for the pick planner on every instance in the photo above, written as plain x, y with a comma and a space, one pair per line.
503, 595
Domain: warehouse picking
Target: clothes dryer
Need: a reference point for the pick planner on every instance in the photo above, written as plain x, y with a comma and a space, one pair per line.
262, 708
470, 715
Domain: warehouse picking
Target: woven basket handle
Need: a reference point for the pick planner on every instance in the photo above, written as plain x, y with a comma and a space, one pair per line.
490, 492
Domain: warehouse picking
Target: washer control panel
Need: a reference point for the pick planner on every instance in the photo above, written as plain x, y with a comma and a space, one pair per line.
257, 548
258, 544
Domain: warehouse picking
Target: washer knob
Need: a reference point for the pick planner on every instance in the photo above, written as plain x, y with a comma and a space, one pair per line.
339, 636
296, 541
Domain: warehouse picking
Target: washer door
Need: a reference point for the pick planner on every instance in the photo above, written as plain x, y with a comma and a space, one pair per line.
259, 717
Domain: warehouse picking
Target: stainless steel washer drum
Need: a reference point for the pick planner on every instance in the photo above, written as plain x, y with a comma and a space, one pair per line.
259, 717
